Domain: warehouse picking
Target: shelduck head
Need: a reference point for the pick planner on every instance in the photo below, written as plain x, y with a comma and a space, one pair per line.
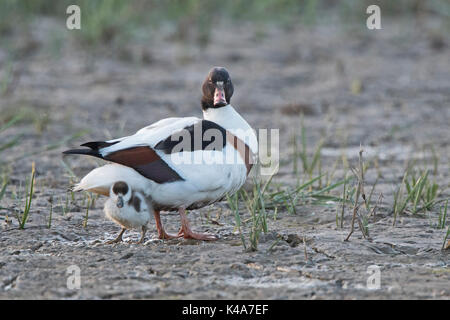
217, 89
120, 193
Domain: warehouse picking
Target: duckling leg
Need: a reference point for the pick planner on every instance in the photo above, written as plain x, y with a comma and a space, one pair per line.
161, 232
144, 230
118, 239
186, 231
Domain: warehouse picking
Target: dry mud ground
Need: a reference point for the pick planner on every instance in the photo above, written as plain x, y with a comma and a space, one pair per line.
388, 89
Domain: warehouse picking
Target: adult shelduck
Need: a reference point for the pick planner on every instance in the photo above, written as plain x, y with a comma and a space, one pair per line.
181, 163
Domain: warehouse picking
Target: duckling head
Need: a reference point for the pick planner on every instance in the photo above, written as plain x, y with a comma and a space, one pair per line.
120, 193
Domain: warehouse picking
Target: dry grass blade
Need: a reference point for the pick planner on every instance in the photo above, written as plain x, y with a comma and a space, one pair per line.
3, 190
359, 192
371, 193
373, 210
344, 200
304, 249
50, 201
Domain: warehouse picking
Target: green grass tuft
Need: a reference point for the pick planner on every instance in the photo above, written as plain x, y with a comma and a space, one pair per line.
29, 196
443, 216
415, 194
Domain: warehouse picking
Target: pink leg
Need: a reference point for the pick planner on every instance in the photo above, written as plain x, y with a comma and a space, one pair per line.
161, 232
186, 231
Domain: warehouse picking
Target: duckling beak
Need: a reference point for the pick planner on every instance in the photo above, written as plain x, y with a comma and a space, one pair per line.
219, 96
119, 202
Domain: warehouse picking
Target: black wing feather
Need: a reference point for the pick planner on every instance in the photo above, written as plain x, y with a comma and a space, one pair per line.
168, 144
96, 145
88, 152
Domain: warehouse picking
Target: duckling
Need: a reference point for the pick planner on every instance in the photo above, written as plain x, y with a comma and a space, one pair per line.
128, 208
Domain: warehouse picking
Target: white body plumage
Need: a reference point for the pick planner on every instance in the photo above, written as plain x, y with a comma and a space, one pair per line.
203, 182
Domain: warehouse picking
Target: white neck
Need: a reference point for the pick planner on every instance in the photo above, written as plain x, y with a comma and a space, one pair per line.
230, 120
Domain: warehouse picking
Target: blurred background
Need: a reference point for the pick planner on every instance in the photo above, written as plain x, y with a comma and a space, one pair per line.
135, 62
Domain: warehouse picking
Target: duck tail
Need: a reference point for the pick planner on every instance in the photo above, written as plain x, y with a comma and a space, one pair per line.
94, 148
88, 152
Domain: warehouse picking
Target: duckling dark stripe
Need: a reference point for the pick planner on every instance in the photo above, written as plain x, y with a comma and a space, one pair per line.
136, 202
145, 161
